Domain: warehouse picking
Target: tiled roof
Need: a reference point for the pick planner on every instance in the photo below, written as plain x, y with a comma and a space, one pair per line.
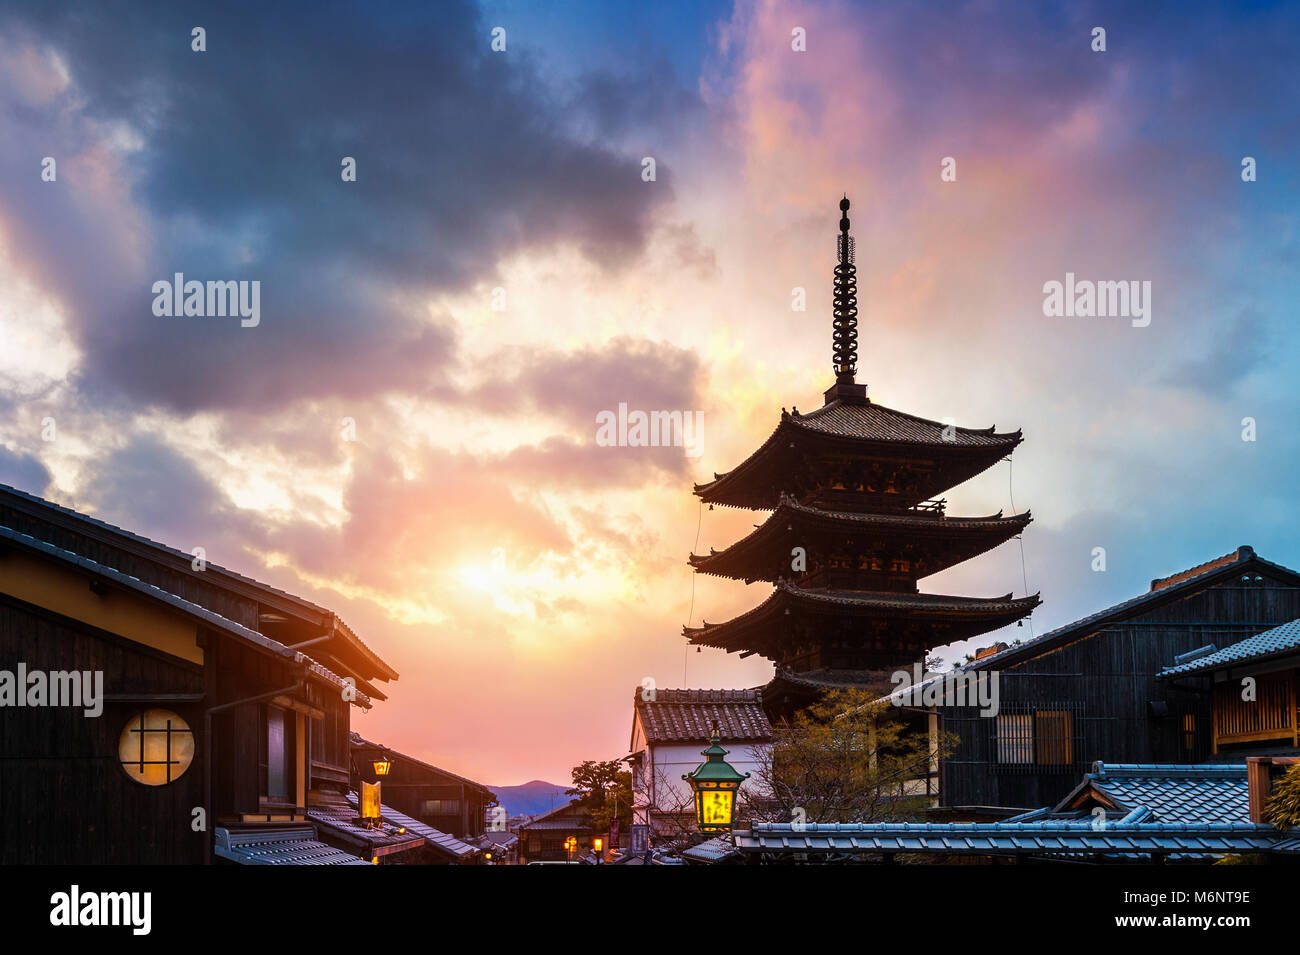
872, 422
1023, 838
193, 610
1181, 810
340, 821
1245, 557
1276, 642
1190, 793
687, 716
711, 851
555, 818
183, 562
436, 838
1161, 583
965, 451
289, 846
555, 825
496, 841
210, 567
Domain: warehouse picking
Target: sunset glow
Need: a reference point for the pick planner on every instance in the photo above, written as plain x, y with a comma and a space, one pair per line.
409, 436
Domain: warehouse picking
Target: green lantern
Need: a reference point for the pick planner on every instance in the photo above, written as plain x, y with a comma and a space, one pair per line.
715, 783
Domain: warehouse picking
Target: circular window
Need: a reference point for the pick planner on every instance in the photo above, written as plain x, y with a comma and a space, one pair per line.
156, 747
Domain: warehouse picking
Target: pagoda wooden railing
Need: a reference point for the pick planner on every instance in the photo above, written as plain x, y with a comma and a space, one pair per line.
1271, 715
931, 507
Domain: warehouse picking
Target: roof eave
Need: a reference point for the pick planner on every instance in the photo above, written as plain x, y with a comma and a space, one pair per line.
1123, 610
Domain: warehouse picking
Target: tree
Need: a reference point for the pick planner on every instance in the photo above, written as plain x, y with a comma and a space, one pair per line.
606, 788
1283, 809
847, 758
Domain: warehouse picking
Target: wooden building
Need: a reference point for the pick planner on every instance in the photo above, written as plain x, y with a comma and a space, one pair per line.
564, 834
225, 702
1100, 689
438, 798
499, 847
856, 522
1254, 690
669, 730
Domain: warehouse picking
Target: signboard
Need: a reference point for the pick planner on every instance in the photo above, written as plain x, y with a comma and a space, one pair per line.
640, 839
369, 802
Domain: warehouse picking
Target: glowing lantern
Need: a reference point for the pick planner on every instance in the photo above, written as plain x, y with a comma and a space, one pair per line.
715, 783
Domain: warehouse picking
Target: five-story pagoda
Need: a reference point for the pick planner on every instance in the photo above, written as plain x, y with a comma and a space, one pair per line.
854, 526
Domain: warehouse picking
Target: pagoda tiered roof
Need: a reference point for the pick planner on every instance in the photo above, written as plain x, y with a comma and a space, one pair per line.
854, 527
929, 540
933, 456
876, 628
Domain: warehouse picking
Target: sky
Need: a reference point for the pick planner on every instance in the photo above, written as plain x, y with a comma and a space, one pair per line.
408, 435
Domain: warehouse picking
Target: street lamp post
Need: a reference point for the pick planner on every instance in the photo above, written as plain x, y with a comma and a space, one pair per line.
715, 783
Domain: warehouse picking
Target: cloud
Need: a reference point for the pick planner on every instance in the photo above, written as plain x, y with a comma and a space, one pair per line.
152, 489
416, 517
228, 164
579, 383
23, 471
1235, 350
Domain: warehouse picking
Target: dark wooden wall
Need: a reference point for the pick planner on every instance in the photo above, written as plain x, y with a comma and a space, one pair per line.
64, 798
330, 749
238, 671
1110, 675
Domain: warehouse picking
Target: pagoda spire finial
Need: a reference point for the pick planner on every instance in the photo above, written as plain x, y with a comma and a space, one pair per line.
845, 302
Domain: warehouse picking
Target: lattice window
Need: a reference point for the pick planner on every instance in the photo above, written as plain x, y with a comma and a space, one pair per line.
1037, 738
156, 747
1015, 738
1269, 715
440, 807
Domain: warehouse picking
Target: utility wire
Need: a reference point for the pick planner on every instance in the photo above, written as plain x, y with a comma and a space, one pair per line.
1021, 538
690, 614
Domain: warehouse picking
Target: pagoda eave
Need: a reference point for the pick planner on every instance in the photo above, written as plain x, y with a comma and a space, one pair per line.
801, 446
937, 542
795, 615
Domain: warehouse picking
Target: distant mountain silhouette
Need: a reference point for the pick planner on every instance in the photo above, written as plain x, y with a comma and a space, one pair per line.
532, 797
